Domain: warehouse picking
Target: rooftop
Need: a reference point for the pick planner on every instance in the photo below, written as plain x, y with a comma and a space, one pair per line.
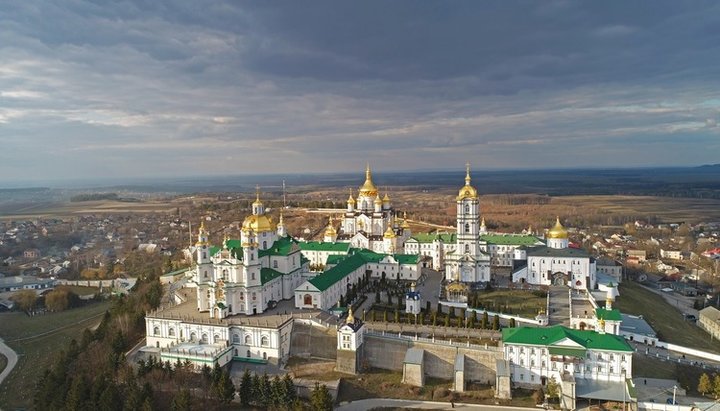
544, 251
548, 336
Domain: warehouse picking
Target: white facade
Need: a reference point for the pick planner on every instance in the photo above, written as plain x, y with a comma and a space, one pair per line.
206, 344
244, 276
467, 263
558, 264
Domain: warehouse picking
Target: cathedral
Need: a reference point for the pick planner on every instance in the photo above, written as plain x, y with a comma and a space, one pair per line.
369, 221
243, 277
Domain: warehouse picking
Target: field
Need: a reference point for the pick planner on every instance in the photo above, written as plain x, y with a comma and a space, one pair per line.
36, 340
664, 318
66, 209
79, 290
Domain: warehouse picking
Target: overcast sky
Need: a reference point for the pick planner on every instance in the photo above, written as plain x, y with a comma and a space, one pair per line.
126, 89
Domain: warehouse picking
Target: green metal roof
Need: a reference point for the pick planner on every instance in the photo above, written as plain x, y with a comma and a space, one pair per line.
323, 246
335, 258
567, 352
548, 336
326, 279
608, 315
268, 274
407, 258
282, 246
510, 239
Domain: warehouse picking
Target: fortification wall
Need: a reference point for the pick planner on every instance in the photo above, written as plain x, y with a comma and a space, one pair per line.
389, 353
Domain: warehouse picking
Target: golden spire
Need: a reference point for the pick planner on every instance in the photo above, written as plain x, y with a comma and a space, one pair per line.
257, 196
405, 223
482, 222
467, 191
350, 199
368, 189
386, 199
350, 318
377, 199
280, 222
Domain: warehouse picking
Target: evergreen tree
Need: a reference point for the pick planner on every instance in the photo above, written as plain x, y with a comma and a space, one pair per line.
553, 389
110, 399
377, 297
385, 319
512, 323
704, 385
264, 390
447, 320
246, 388
320, 399
496, 322
484, 321
277, 388
290, 391
223, 388
397, 316
256, 390
78, 397
147, 405
182, 401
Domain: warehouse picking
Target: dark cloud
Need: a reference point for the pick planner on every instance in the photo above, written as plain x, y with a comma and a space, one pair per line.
219, 87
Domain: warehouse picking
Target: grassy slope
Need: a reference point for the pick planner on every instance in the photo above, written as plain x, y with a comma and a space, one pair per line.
3, 362
35, 354
665, 319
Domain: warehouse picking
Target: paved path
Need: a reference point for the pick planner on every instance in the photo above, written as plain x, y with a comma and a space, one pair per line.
559, 306
362, 405
12, 360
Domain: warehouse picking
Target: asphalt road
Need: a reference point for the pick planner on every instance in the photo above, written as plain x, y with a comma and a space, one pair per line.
12, 360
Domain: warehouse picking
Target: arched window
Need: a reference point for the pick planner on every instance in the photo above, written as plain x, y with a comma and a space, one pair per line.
236, 352
171, 332
275, 264
216, 338
264, 356
193, 336
467, 208
467, 248
236, 339
307, 299
247, 354
204, 339
467, 227
264, 245
264, 341
254, 296
248, 340
156, 331
225, 275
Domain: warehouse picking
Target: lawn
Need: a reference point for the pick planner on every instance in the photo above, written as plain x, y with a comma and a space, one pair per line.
3, 362
519, 302
79, 290
36, 339
664, 318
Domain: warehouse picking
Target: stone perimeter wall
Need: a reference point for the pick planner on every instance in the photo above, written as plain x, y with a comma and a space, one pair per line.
439, 362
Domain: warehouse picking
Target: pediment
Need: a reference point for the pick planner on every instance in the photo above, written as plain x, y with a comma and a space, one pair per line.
567, 343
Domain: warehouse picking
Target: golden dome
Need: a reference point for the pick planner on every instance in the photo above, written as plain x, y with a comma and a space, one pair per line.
389, 233
378, 200
467, 191
386, 199
368, 189
350, 199
558, 231
258, 223
330, 230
